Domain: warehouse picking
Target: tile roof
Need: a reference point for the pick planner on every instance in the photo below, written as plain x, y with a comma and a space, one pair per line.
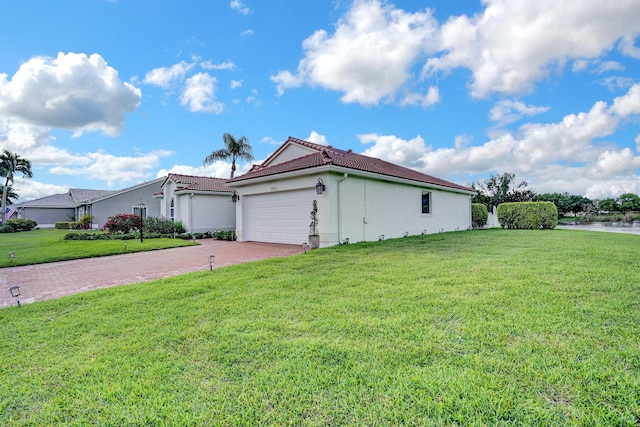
197, 183
327, 155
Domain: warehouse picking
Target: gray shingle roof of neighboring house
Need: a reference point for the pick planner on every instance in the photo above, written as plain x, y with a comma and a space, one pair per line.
197, 183
55, 201
327, 155
83, 196
70, 199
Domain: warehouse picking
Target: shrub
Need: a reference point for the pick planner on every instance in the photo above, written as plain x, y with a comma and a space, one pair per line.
162, 225
87, 236
528, 215
479, 215
224, 235
122, 223
85, 222
16, 225
72, 225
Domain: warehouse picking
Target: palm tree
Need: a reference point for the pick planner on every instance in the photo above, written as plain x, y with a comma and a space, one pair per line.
235, 149
10, 164
11, 195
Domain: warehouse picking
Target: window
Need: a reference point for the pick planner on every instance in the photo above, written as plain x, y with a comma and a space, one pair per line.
426, 202
172, 210
136, 211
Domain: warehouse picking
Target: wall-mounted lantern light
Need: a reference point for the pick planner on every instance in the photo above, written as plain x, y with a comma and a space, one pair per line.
15, 292
211, 262
320, 186
235, 197
12, 256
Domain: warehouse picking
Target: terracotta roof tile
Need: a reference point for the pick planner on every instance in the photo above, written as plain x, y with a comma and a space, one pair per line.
197, 183
346, 159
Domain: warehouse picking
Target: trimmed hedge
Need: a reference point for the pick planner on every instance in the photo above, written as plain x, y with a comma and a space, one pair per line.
528, 215
16, 225
73, 225
479, 215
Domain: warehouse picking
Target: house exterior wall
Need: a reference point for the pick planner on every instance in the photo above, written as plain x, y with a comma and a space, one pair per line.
124, 202
364, 209
211, 212
46, 217
290, 153
371, 209
200, 212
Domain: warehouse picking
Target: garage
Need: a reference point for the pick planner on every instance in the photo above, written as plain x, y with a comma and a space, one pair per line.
281, 217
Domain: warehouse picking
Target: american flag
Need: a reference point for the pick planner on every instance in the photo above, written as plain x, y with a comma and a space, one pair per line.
9, 212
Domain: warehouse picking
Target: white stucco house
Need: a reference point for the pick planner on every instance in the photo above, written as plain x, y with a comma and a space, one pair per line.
200, 203
359, 198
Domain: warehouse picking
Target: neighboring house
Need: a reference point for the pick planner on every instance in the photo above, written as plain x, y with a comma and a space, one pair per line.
200, 203
359, 198
100, 204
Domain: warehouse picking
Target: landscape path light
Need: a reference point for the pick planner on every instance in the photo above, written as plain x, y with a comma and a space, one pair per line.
211, 262
12, 256
15, 292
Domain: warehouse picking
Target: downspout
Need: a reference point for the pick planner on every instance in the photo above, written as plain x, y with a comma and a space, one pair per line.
191, 213
345, 176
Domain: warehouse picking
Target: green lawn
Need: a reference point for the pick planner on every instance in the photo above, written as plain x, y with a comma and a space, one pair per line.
47, 245
496, 327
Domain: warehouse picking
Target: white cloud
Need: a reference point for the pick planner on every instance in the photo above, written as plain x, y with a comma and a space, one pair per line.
513, 44
165, 77
394, 149
316, 138
199, 94
629, 103
240, 7
247, 33
509, 111
208, 65
235, 84
113, 169
218, 169
628, 47
549, 156
29, 189
432, 97
368, 57
72, 91
286, 80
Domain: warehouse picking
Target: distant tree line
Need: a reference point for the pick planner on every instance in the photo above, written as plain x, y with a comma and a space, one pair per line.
503, 188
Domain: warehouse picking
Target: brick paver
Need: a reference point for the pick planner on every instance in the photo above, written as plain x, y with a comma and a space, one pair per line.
53, 280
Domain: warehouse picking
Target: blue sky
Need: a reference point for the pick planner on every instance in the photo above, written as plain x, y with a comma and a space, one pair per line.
108, 94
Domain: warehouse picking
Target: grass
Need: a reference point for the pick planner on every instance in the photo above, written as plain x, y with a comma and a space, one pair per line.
496, 327
48, 245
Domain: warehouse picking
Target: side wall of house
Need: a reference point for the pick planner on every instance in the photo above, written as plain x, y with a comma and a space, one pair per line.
47, 217
124, 203
366, 209
212, 212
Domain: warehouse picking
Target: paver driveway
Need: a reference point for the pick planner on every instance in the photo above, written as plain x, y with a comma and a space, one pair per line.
53, 280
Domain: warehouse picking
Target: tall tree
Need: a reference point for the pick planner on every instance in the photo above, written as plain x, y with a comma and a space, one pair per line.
502, 188
10, 164
11, 195
234, 149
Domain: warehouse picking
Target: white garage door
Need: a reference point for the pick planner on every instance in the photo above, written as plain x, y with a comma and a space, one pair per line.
278, 217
